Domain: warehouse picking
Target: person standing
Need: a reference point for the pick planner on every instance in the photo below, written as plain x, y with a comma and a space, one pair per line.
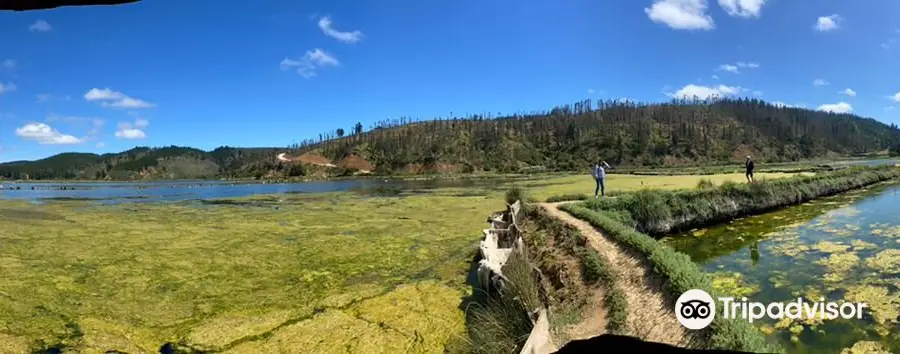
599, 174
749, 166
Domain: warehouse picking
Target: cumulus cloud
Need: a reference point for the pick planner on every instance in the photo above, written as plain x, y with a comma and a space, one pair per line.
44, 134
703, 92
312, 61
828, 23
681, 14
346, 37
896, 97
849, 92
840, 107
715, 77
742, 8
821, 82
132, 131
40, 26
9, 87
115, 99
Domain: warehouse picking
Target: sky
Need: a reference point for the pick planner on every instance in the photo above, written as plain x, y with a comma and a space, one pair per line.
208, 73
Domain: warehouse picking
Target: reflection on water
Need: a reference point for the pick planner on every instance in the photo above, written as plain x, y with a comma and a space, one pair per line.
842, 248
116, 192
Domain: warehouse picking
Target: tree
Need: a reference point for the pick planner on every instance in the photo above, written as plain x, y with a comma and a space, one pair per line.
340, 132
357, 129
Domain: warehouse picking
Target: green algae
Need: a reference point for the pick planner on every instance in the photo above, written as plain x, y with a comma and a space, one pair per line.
885, 262
733, 284
831, 247
818, 251
838, 266
866, 347
882, 305
237, 274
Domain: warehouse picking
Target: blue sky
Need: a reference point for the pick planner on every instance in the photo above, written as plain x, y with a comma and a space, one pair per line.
270, 73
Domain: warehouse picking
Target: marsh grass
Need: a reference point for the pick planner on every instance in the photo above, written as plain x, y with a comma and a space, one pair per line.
314, 271
502, 322
659, 212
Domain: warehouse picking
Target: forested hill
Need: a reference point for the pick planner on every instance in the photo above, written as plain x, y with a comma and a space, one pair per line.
567, 137
573, 136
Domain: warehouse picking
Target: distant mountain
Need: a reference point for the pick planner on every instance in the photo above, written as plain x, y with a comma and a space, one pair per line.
569, 137
171, 162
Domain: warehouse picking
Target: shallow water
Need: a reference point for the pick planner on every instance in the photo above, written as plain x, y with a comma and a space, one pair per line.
116, 192
842, 248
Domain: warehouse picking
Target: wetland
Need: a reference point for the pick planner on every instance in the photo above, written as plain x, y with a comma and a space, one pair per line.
842, 248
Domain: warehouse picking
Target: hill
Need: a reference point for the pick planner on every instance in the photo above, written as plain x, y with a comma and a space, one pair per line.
568, 137
572, 137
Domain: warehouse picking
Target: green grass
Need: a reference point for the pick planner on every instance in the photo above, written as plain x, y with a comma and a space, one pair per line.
263, 274
683, 275
658, 212
559, 188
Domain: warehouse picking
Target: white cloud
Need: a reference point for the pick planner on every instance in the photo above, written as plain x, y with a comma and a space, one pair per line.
100, 145
44, 97
681, 14
9, 87
889, 43
849, 92
750, 65
40, 26
346, 37
310, 62
591, 92
10, 64
115, 99
132, 131
96, 94
742, 8
757, 93
889, 108
44, 134
896, 97
821, 82
840, 107
715, 77
729, 68
703, 92
828, 23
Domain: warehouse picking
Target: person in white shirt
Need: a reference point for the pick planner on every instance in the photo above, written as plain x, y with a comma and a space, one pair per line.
599, 174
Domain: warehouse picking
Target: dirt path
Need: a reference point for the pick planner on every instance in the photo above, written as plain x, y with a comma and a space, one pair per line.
649, 316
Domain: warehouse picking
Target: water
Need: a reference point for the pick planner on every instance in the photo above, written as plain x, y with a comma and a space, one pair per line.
842, 248
116, 192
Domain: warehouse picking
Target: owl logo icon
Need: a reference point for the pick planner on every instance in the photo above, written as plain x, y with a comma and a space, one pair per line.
695, 309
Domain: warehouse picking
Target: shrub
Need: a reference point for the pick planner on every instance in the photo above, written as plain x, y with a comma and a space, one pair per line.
516, 193
705, 183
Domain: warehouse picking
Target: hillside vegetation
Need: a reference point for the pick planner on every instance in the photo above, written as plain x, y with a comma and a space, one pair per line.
565, 138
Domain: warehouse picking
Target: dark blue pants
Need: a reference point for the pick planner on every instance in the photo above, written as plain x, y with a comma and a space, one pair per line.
600, 187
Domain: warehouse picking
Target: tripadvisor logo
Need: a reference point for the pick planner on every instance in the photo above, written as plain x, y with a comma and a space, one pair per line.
696, 309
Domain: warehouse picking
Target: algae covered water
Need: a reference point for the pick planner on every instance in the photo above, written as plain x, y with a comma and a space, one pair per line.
842, 248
